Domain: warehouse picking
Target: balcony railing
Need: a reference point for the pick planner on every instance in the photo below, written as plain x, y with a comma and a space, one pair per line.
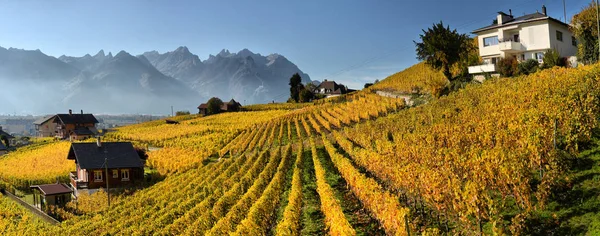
510, 46
77, 183
487, 68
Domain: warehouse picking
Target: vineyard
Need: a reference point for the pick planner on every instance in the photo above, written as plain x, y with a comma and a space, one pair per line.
418, 78
37, 164
484, 160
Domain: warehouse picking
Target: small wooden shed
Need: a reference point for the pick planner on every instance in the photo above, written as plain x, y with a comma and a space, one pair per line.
51, 195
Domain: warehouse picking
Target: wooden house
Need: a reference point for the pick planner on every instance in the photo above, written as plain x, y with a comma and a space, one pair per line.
96, 163
331, 89
231, 106
45, 126
51, 195
75, 126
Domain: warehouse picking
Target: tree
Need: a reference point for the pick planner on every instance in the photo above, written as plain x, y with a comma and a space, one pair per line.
306, 96
182, 113
368, 85
214, 106
585, 29
441, 47
468, 57
296, 87
4, 139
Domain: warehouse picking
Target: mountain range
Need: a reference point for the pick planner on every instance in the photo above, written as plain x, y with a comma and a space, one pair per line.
33, 82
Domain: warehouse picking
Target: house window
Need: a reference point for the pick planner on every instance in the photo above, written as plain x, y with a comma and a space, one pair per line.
559, 36
522, 57
125, 175
516, 38
539, 56
573, 41
489, 41
115, 174
97, 176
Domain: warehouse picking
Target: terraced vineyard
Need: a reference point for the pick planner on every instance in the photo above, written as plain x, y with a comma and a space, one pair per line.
360, 164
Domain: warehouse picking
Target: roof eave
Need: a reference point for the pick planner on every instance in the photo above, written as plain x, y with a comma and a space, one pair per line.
519, 22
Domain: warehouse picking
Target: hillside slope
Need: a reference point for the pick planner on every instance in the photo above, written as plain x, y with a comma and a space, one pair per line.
419, 78
481, 160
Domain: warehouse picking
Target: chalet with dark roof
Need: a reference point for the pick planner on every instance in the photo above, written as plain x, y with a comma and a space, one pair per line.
331, 89
231, 106
75, 126
94, 160
51, 195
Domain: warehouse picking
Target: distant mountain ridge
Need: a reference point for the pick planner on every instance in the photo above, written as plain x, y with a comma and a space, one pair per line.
243, 75
146, 83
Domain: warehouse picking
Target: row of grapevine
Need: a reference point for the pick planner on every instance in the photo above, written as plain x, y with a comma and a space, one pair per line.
290, 223
237, 213
384, 206
224, 198
262, 213
470, 153
220, 185
336, 222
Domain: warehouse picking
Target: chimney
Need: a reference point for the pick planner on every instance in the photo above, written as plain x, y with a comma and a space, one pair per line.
98, 142
82, 112
70, 112
544, 10
510, 12
502, 17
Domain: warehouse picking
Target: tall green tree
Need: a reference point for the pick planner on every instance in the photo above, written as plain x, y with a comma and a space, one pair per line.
441, 47
585, 29
296, 87
214, 106
5, 140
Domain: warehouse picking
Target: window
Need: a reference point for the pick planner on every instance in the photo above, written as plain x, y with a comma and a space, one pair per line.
115, 174
489, 41
573, 41
522, 57
97, 176
559, 36
539, 56
516, 38
125, 175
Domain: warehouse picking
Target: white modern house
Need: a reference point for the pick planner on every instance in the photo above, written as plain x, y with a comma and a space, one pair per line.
525, 37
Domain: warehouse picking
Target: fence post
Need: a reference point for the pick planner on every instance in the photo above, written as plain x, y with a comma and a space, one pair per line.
406, 225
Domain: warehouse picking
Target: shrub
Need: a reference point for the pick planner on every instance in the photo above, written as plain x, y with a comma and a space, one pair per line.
508, 66
528, 67
552, 59
182, 113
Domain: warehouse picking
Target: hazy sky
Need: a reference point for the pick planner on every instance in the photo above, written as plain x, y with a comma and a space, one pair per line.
350, 41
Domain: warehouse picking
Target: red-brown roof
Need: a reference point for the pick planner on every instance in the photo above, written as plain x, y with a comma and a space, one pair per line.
203, 106
53, 189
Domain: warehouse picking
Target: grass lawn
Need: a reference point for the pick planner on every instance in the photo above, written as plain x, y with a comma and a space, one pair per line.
574, 207
28, 198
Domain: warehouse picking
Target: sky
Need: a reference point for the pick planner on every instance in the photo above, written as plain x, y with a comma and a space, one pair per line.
350, 41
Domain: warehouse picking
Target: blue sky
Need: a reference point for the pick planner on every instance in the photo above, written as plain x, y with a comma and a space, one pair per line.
350, 41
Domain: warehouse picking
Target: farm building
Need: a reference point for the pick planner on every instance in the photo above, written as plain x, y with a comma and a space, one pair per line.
75, 126
117, 163
51, 195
